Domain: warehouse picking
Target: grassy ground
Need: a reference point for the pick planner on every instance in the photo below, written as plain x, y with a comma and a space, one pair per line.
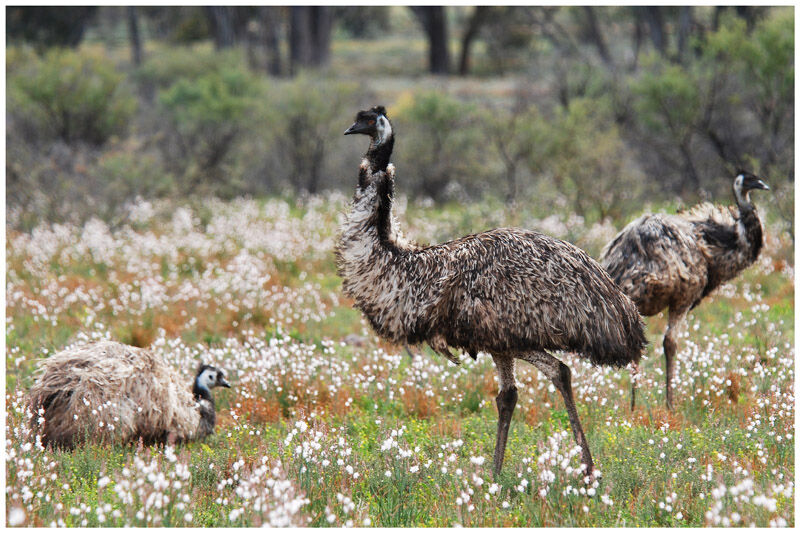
327, 425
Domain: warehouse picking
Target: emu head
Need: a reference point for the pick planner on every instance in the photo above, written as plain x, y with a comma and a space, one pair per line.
372, 122
209, 377
746, 182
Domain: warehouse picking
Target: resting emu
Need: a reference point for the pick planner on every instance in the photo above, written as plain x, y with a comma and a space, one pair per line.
107, 391
509, 292
673, 262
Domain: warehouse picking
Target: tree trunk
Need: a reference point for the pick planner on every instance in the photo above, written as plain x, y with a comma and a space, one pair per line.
474, 26
596, 35
684, 28
270, 23
748, 13
654, 17
133, 33
638, 36
321, 22
434, 22
220, 20
299, 38
309, 36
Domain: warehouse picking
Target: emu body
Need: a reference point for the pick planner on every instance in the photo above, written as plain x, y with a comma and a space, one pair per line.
111, 392
674, 261
512, 293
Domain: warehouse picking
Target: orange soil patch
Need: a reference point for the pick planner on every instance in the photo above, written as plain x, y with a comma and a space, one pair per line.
418, 404
447, 427
657, 417
261, 410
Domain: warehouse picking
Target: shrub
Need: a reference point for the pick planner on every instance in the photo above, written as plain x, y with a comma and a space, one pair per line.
127, 172
589, 162
518, 137
72, 96
206, 116
305, 116
188, 63
438, 153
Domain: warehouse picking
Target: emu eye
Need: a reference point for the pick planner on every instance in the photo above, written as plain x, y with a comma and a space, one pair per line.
371, 122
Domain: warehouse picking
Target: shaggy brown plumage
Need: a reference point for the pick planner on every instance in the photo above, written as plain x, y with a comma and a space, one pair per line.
111, 392
510, 292
674, 261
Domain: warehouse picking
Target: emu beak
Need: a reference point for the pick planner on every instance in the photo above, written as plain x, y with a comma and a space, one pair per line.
762, 185
223, 383
355, 128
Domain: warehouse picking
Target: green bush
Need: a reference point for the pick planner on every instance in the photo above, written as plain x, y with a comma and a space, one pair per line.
520, 139
590, 163
440, 135
70, 95
305, 116
126, 172
170, 64
206, 116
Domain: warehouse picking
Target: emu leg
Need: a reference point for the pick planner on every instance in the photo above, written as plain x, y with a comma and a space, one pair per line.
670, 348
634, 379
560, 375
506, 402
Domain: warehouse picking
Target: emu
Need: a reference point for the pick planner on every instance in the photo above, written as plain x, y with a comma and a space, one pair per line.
674, 261
510, 292
110, 392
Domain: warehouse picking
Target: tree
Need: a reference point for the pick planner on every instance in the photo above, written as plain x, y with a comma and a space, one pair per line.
220, 19
596, 35
434, 21
654, 17
270, 21
473, 28
133, 32
684, 28
309, 36
49, 26
263, 40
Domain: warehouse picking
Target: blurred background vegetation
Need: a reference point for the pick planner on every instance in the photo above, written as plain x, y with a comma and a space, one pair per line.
590, 110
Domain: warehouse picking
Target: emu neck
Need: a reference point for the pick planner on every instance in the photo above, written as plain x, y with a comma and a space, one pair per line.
742, 199
379, 154
201, 393
750, 224
753, 233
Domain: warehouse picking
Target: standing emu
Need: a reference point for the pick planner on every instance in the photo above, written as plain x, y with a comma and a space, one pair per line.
107, 391
673, 262
509, 292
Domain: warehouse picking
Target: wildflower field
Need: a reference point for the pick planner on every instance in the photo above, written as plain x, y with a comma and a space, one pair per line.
327, 425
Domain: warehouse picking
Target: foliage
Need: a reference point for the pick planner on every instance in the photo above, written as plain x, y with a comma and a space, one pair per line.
764, 64
730, 107
172, 64
128, 173
440, 133
589, 161
362, 22
520, 138
678, 124
207, 115
49, 25
70, 95
304, 116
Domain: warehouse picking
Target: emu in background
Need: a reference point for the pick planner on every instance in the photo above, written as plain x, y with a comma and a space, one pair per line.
674, 261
